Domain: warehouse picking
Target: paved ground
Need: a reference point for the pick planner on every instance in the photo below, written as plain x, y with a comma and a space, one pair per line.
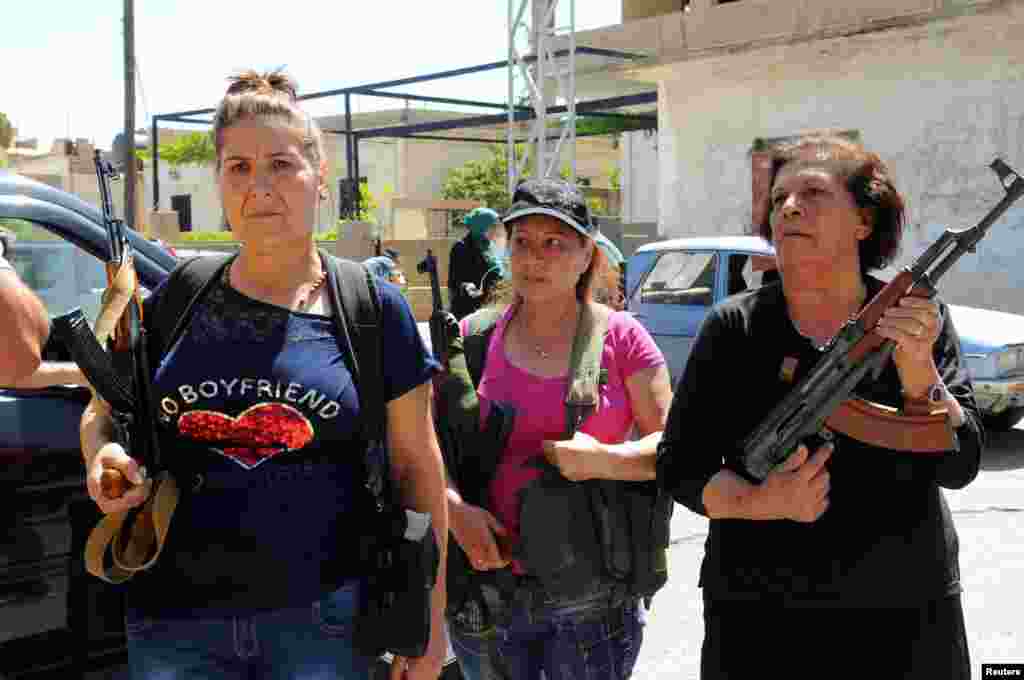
989, 517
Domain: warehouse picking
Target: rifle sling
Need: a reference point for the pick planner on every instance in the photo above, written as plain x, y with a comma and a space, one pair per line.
889, 428
581, 399
134, 538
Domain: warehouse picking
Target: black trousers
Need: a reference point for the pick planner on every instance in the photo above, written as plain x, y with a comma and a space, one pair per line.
757, 640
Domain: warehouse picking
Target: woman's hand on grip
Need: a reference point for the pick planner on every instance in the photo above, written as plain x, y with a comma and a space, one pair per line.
110, 462
477, 532
799, 489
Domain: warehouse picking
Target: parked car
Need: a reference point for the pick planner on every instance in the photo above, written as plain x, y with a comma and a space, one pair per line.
56, 621
671, 285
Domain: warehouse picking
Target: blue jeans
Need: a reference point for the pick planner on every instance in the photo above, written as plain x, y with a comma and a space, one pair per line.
585, 639
297, 643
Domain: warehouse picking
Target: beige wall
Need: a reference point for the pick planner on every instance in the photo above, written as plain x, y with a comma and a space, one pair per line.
640, 9
937, 101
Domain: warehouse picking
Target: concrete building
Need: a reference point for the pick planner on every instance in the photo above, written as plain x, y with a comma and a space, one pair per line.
936, 87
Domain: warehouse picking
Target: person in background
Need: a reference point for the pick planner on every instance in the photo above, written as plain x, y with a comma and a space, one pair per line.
845, 535
26, 325
262, 423
476, 262
612, 294
386, 267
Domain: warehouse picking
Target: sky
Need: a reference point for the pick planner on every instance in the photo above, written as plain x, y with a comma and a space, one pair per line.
64, 59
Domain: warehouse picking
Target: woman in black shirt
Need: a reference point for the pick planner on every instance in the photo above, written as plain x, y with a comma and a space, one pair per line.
845, 558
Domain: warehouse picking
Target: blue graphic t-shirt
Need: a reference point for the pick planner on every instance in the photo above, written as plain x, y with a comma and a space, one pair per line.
263, 434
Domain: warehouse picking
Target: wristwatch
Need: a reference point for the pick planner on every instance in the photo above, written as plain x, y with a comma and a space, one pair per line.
937, 393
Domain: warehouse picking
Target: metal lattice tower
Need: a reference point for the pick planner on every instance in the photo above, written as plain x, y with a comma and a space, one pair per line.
546, 65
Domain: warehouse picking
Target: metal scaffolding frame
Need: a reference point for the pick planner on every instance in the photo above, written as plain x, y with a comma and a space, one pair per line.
544, 65
513, 113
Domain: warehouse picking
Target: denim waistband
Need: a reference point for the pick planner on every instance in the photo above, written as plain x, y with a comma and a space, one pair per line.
527, 590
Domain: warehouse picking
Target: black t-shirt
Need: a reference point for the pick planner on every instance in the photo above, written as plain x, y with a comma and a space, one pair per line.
887, 538
264, 422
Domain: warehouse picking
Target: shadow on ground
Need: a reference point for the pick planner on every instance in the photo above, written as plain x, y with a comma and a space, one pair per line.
1005, 450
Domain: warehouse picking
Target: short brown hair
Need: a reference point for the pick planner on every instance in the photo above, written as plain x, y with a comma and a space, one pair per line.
272, 95
868, 180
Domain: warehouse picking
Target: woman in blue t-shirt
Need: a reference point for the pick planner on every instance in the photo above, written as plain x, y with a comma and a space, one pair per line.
260, 575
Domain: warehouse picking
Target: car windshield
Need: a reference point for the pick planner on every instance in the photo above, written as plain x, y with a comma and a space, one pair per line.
63, 275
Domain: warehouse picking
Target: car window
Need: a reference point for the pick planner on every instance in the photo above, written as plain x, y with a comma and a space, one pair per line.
746, 272
680, 278
63, 275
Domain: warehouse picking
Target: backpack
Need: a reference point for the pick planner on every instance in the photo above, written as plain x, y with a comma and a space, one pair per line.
631, 519
395, 609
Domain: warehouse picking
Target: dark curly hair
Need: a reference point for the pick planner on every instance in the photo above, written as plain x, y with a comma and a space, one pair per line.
866, 177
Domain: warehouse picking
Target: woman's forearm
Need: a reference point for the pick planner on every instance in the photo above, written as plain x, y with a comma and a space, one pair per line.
96, 429
52, 373
633, 461
729, 496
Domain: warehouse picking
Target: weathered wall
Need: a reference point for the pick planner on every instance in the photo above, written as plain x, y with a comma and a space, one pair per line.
938, 102
639, 165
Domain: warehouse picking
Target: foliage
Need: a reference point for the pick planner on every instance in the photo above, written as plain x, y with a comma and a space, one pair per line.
229, 237
24, 230
206, 236
484, 180
607, 125
6, 131
195, 148
614, 177
597, 205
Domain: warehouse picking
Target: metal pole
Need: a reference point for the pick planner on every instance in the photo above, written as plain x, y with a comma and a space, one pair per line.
156, 164
355, 168
129, 114
510, 150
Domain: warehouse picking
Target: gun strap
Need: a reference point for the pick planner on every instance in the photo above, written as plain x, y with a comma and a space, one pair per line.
133, 539
581, 399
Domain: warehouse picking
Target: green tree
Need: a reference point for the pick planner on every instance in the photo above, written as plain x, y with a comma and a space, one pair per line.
6, 131
483, 180
195, 148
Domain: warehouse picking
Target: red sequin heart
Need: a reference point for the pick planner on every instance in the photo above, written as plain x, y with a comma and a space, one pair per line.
265, 429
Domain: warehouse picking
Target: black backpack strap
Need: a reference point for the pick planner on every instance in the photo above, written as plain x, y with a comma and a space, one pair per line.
354, 294
479, 329
189, 282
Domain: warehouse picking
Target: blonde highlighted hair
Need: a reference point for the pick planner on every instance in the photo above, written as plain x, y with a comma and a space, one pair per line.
272, 95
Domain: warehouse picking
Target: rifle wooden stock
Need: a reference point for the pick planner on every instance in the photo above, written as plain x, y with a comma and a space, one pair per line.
889, 428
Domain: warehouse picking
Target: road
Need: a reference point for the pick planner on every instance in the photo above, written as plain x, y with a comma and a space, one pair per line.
988, 517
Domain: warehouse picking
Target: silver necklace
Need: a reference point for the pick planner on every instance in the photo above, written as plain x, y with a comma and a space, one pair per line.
537, 347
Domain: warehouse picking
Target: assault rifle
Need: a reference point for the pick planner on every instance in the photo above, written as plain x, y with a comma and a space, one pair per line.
820, 403
439, 323
121, 377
